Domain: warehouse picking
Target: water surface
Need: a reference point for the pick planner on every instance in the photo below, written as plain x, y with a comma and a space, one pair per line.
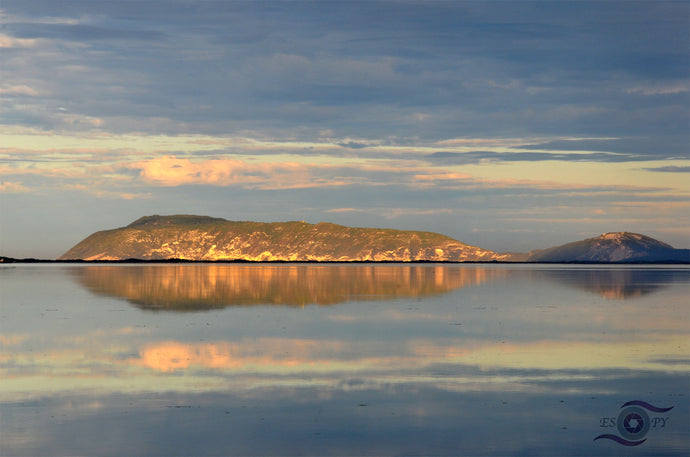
338, 359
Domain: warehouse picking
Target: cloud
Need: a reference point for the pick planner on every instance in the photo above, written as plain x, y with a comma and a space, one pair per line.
353, 145
492, 156
620, 149
660, 89
7, 41
13, 187
18, 90
174, 171
445, 176
86, 30
393, 213
346, 210
10, 339
670, 169
93, 190
379, 105
456, 69
433, 179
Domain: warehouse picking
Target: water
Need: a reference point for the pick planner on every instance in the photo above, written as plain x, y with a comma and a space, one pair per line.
300, 359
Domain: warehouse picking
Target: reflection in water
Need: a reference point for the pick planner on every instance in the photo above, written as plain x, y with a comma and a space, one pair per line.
170, 356
209, 286
283, 357
518, 364
198, 287
617, 283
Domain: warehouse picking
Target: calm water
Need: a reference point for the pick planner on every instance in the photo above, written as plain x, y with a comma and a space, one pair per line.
277, 359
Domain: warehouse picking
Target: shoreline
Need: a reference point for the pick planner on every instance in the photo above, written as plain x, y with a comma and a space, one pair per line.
8, 260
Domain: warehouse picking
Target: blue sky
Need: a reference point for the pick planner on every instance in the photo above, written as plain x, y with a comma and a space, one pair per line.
509, 125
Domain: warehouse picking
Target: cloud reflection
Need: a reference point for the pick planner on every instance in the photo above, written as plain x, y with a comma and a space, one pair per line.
329, 358
170, 356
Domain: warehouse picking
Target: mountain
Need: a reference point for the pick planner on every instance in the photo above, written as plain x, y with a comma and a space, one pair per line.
622, 247
207, 238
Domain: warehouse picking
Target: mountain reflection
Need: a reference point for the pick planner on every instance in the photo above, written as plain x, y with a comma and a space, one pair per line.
207, 286
619, 283
199, 287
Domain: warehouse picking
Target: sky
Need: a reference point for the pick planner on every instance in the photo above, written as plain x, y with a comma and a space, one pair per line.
507, 125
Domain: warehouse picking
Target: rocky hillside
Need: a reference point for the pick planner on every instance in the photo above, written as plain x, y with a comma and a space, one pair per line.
613, 247
206, 238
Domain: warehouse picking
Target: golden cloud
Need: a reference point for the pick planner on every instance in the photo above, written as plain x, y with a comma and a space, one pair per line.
448, 176
13, 187
171, 171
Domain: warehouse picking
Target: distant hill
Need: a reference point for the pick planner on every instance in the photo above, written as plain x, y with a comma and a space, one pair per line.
207, 238
622, 247
202, 238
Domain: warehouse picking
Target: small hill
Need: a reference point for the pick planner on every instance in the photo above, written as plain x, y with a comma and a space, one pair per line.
206, 238
624, 247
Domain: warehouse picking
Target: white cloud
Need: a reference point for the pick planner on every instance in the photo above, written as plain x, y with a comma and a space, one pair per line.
21, 89
7, 41
660, 89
